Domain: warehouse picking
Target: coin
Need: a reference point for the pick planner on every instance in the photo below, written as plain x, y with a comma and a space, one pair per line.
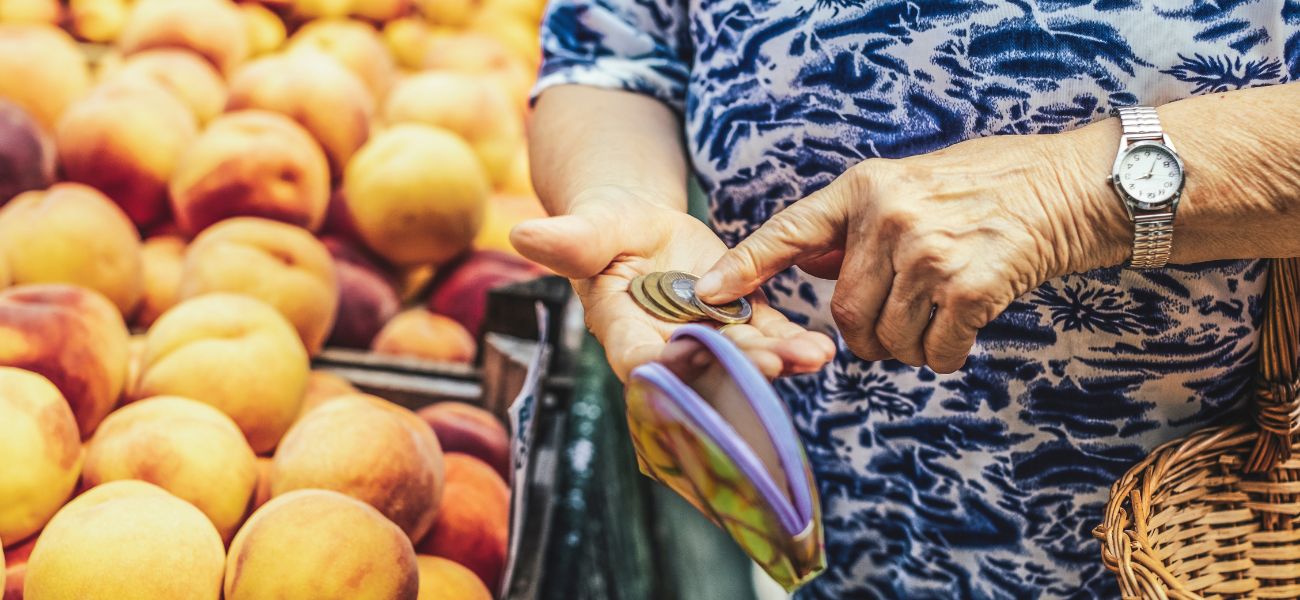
679, 288
736, 311
653, 291
637, 288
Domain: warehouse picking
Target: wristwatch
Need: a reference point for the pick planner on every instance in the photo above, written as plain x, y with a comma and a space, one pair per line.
1148, 174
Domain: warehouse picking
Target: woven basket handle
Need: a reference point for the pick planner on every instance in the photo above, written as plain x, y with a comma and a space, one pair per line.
1277, 408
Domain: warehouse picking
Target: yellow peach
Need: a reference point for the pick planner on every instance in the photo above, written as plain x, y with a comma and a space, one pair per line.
266, 32
320, 545
214, 29
126, 540
71, 233
41, 449
184, 446
162, 257
355, 44
279, 264
235, 353
185, 74
416, 194
41, 70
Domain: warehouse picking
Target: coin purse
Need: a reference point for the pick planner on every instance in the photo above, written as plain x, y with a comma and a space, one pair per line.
724, 441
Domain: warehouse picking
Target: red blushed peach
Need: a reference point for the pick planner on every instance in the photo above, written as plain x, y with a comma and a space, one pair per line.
367, 298
468, 429
311, 88
41, 449
41, 70
251, 163
72, 336
26, 153
184, 74
356, 45
279, 264
71, 233
124, 139
333, 447
461, 289
473, 524
419, 333
320, 545
213, 29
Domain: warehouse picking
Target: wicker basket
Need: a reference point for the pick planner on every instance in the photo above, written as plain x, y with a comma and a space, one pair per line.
1216, 515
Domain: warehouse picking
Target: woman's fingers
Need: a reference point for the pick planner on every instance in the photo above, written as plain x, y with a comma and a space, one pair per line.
860, 296
803, 230
904, 319
949, 338
801, 350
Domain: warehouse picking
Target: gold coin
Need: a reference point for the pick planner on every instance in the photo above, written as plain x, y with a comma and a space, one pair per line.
656, 295
637, 288
679, 288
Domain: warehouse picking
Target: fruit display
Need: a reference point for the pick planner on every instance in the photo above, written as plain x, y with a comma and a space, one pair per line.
198, 200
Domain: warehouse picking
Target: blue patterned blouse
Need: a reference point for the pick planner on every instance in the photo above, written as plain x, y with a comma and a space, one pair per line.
984, 483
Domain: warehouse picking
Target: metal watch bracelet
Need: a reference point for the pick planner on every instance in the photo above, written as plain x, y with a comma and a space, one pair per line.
1153, 232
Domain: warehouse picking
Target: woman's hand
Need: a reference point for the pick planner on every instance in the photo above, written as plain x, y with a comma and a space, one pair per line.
930, 249
610, 236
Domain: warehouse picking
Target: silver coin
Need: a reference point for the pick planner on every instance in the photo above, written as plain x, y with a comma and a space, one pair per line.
679, 288
641, 288
736, 311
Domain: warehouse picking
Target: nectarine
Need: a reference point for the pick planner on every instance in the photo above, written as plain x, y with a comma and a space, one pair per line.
26, 153
468, 429
367, 298
461, 290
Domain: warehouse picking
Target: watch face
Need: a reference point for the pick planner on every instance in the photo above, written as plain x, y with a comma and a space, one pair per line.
1150, 173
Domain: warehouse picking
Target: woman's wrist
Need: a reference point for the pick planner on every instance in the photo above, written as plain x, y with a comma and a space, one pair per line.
1099, 230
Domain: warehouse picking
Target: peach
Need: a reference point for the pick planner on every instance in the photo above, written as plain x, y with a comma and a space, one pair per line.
468, 429
135, 361
26, 153
4, 274
367, 298
416, 194
333, 447
520, 180
41, 70
380, 10
473, 524
38, 438
74, 337
162, 257
452, 13
235, 353
530, 11
184, 446
266, 32
462, 289
31, 12
123, 139
321, 9
279, 264
518, 35
418, 333
127, 540
71, 233
182, 73
99, 20
330, 102
480, 54
442, 579
323, 386
355, 44
504, 212
251, 163
213, 29
470, 106
407, 39
262, 493
320, 545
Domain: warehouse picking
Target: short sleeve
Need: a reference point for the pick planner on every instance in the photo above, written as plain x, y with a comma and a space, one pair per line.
635, 45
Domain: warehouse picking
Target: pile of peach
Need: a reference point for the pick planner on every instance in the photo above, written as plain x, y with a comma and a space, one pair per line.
334, 158
243, 185
206, 458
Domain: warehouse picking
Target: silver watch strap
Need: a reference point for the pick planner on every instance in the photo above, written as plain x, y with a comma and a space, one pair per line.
1153, 232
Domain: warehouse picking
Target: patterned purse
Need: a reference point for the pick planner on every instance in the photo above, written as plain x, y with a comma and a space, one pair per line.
721, 438
1216, 515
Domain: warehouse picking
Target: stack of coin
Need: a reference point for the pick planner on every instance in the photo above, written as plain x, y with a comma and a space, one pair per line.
670, 296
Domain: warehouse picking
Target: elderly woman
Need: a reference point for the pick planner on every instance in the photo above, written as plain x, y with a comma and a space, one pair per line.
1026, 293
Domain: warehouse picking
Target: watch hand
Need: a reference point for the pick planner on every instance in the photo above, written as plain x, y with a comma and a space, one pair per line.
1152, 170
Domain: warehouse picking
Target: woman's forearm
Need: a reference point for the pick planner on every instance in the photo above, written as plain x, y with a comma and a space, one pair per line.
585, 139
1241, 152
